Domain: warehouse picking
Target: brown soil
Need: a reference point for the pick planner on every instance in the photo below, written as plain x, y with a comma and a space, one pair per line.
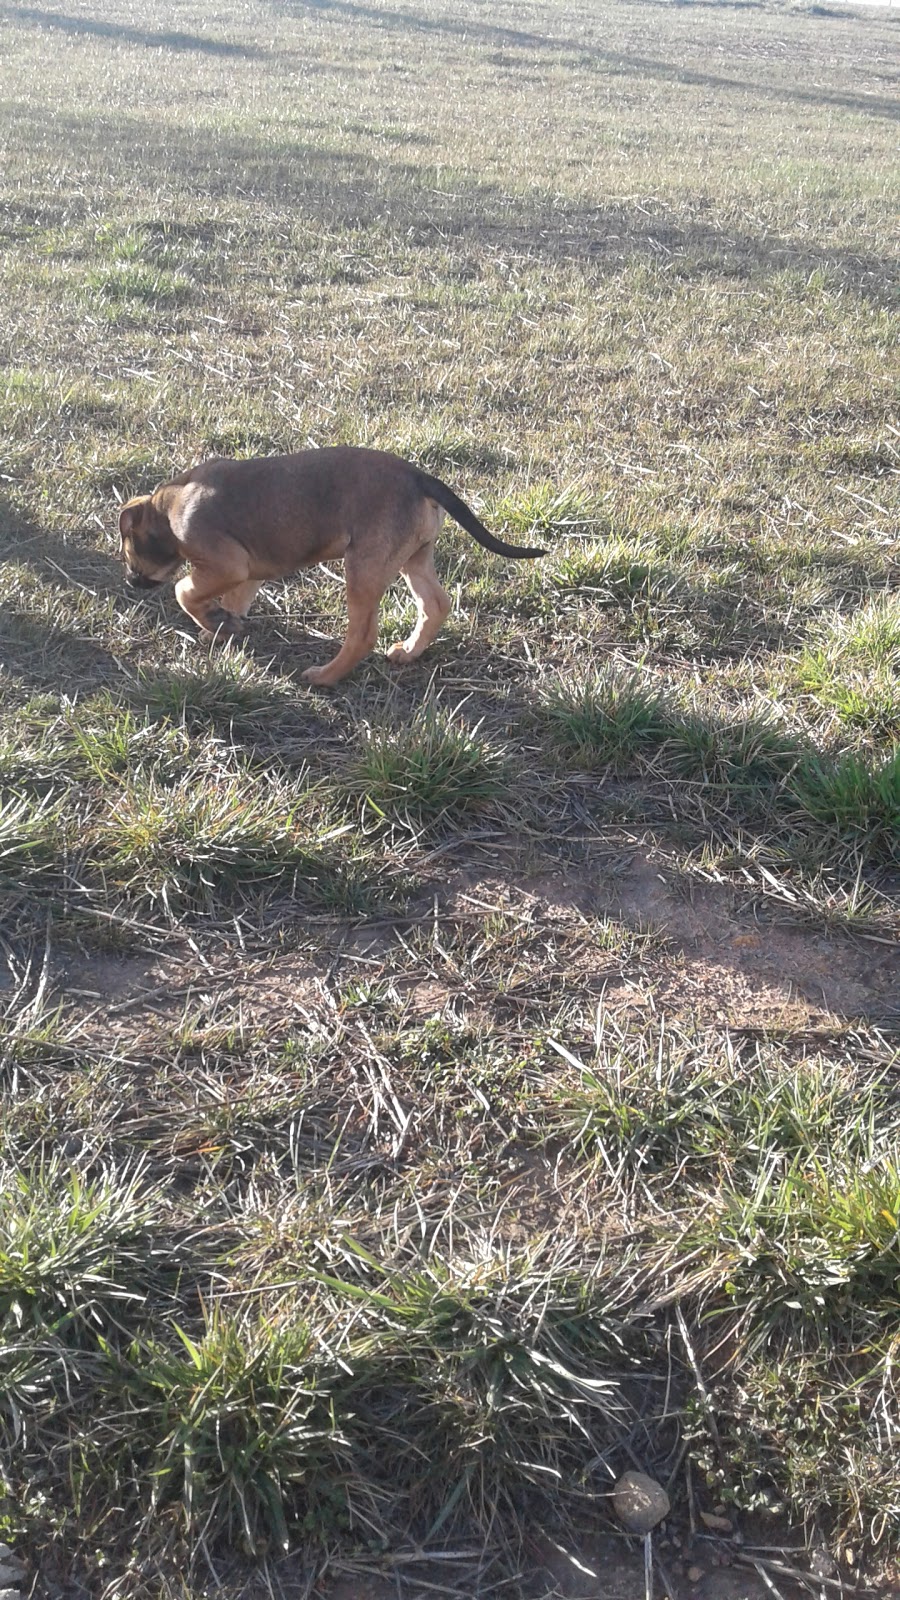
717, 961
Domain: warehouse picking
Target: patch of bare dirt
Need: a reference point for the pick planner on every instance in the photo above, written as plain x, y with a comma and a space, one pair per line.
710, 957
719, 961
741, 969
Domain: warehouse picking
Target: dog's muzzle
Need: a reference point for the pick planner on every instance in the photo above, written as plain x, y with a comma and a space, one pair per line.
137, 580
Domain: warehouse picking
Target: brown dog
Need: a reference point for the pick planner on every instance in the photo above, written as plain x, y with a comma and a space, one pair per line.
241, 522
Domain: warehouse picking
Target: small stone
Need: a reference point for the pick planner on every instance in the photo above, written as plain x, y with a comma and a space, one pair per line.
10, 1594
715, 1522
694, 1574
641, 1503
821, 1564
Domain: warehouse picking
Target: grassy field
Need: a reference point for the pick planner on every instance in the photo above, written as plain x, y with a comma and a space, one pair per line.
425, 1099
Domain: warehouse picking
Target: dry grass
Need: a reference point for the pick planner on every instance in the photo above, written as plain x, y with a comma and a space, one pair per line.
409, 1091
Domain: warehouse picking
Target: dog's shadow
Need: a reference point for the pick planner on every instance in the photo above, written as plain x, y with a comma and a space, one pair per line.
42, 647
56, 560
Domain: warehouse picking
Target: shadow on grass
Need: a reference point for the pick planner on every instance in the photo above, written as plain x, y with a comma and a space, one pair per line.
253, 715
344, 190
122, 33
42, 657
57, 560
643, 66
735, 772
35, 650
656, 606
803, 849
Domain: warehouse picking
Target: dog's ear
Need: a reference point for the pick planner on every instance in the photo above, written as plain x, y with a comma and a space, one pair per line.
132, 514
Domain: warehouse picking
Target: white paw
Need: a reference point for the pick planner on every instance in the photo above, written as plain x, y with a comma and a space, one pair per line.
316, 675
398, 652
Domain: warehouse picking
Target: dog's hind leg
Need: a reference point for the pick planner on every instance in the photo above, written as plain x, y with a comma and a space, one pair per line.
433, 603
363, 599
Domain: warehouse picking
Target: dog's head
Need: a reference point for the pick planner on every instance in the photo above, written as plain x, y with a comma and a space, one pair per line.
149, 549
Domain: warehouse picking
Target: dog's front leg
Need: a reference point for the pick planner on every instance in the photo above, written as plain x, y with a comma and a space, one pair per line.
199, 594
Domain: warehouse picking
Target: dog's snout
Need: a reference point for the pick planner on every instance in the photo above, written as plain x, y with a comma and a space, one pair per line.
137, 580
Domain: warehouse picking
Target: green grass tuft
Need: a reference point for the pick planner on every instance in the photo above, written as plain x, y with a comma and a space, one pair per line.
227, 689
853, 668
78, 1256
179, 845
543, 511
434, 767
607, 718
237, 1427
854, 797
29, 837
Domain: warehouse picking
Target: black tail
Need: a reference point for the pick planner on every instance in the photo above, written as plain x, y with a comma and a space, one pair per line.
459, 511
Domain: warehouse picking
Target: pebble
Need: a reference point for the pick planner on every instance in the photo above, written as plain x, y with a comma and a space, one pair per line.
640, 1502
821, 1564
694, 1574
12, 1571
715, 1522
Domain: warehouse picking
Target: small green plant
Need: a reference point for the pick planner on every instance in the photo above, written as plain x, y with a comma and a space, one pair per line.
655, 1099
509, 1361
544, 510
608, 718
852, 667
227, 688
809, 1248
236, 1426
179, 844
445, 450
752, 755
109, 746
854, 796
126, 281
30, 835
77, 1255
620, 571
431, 767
